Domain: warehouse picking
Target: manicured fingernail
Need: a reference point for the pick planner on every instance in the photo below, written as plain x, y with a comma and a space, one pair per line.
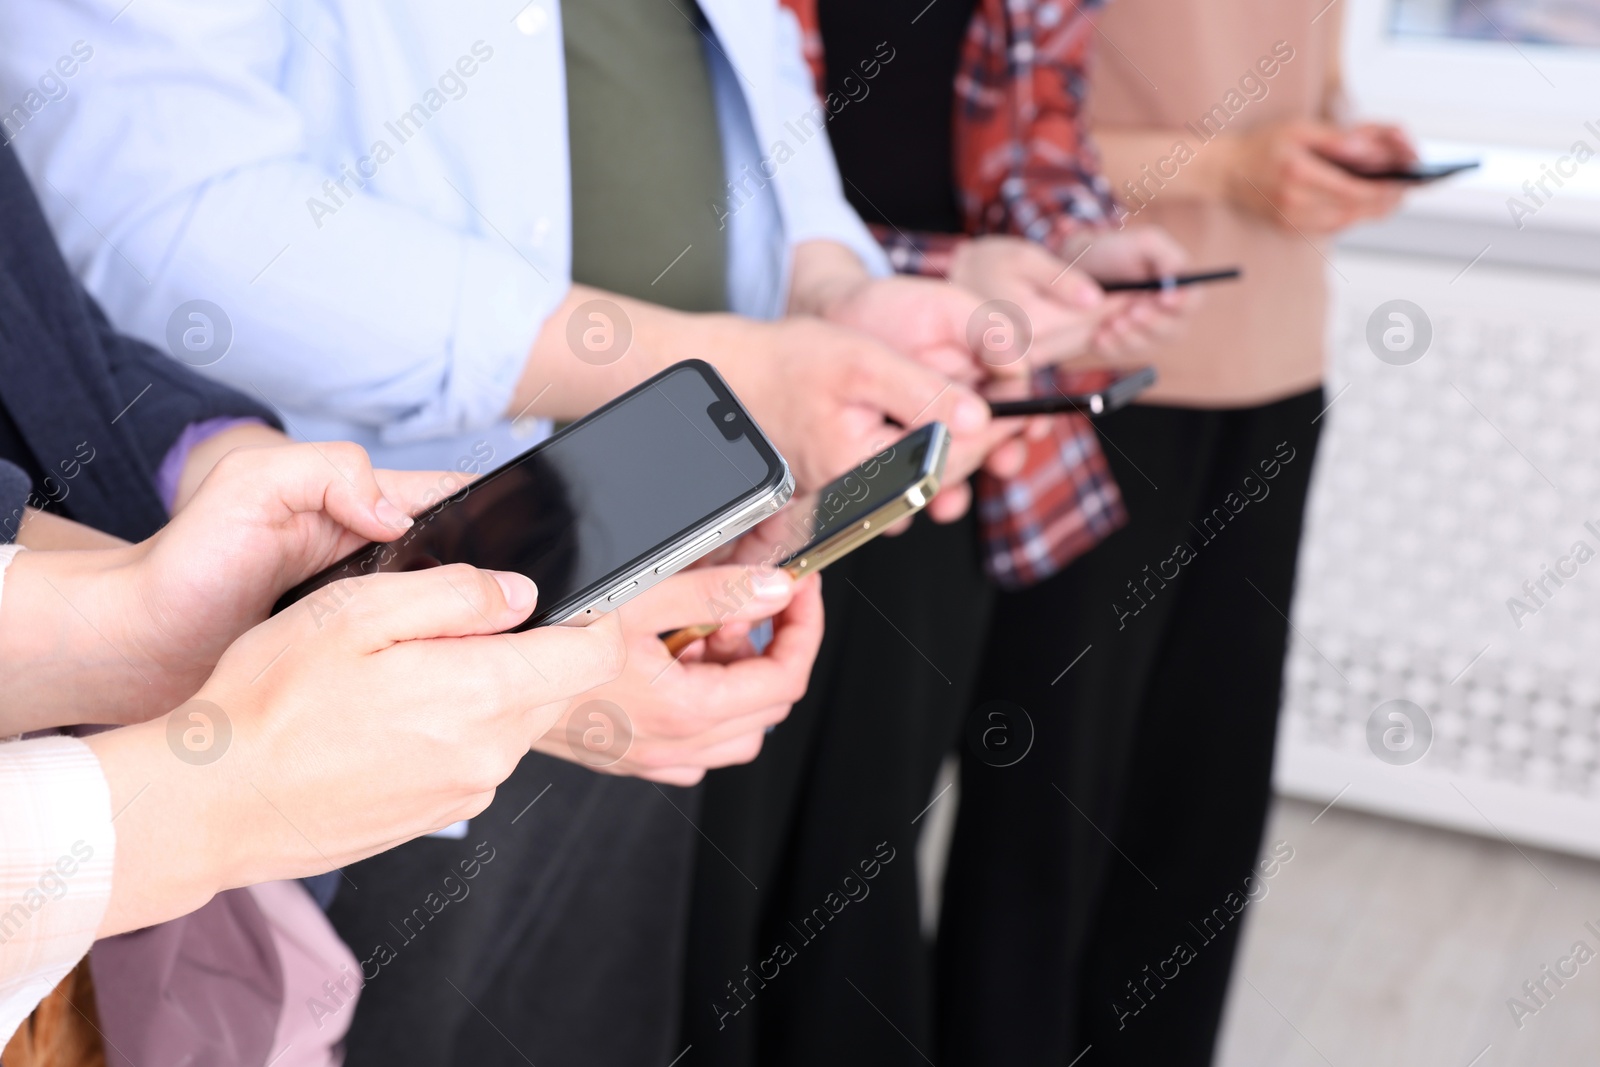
519, 590
771, 585
391, 516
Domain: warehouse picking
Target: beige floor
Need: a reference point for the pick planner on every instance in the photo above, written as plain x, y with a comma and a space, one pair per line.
1384, 943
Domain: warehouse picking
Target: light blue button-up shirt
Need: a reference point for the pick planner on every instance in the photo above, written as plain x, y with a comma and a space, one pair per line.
374, 192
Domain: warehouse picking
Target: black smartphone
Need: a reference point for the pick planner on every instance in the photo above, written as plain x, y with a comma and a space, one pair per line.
1091, 392
606, 507
1418, 173
853, 509
1171, 281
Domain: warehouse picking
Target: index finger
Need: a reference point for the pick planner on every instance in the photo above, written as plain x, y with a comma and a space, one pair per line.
912, 395
416, 491
255, 484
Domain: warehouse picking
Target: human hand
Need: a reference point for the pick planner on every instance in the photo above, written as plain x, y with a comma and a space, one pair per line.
924, 318
670, 721
1282, 173
941, 323
919, 317
1063, 305
322, 739
205, 455
1132, 321
261, 522
829, 397
132, 631
930, 321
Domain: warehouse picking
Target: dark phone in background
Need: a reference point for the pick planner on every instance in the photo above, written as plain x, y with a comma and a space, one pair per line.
1091, 392
626, 487
1417, 173
1173, 281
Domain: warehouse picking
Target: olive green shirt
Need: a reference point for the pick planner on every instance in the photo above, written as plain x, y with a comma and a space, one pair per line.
646, 153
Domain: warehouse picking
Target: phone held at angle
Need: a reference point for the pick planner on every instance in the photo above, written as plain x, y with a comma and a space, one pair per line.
1095, 392
1416, 173
1171, 281
856, 508
603, 509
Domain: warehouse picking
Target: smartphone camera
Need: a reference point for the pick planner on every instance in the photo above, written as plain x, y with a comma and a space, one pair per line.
729, 419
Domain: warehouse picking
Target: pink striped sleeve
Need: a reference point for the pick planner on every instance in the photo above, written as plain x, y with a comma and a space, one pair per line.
56, 852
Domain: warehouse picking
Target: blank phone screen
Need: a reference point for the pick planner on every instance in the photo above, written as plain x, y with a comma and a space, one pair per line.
597, 499
849, 499
858, 494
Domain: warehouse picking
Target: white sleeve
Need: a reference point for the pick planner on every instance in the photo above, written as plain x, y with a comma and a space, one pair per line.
56, 851
386, 316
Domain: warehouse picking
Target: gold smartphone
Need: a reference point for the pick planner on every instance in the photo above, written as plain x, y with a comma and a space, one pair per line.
892, 485
854, 509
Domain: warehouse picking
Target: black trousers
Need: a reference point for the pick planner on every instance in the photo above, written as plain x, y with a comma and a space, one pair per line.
805, 946
552, 934
1076, 873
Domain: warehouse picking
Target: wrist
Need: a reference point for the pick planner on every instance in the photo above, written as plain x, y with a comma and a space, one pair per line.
564, 378
824, 275
964, 270
63, 648
1216, 167
176, 828
744, 351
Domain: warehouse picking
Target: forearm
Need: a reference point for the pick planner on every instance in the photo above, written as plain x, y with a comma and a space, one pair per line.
587, 353
598, 344
63, 658
43, 532
822, 273
170, 856
1182, 167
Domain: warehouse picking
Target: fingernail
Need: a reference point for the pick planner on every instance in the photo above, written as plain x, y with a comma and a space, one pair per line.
390, 515
771, 585
970, 414
519, 590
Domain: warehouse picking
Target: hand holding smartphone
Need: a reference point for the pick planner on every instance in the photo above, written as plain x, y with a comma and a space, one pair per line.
603, 509
856, 508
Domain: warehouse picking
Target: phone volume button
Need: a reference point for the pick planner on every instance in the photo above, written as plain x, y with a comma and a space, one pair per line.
622, 592
678, 558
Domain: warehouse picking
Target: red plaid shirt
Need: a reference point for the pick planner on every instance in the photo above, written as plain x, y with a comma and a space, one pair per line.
1023, 166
